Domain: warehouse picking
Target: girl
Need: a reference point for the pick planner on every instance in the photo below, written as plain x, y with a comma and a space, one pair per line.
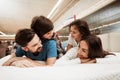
78, 29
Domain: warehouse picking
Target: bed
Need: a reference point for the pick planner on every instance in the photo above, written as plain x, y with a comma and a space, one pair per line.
105, 69
74, 72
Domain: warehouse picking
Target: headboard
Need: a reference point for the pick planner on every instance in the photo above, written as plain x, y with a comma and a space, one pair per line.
111, 41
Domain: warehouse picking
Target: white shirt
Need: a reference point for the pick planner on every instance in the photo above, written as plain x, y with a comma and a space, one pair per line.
72, 41
69, 58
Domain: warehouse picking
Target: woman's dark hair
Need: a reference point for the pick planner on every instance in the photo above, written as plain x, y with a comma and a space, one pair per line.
82, 26
95, 48
24, 36
41, 25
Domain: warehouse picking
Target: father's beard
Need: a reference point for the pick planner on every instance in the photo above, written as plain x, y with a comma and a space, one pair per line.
35, 53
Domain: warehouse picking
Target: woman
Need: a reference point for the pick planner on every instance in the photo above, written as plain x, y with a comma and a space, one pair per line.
88, 50
91, 47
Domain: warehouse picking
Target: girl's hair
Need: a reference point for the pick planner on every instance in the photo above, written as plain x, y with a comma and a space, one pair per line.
82, 26
95, 47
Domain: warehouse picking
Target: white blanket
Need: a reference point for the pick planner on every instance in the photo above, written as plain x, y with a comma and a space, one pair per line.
110, 70
75, 72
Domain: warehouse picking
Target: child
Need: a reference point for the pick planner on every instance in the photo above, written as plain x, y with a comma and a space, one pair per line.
44, 29
78, 29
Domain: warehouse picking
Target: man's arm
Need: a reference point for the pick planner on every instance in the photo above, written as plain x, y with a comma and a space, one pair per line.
7, 63
26, 62
13, 59
33, 63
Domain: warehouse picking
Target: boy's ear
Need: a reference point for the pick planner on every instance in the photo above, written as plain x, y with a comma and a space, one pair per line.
25, 48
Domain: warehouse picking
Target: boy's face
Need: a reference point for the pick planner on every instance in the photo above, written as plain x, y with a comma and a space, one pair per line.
48, 35
34, 45
83, 50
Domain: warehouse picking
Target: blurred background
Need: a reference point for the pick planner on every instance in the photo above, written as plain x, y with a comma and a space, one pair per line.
103, 16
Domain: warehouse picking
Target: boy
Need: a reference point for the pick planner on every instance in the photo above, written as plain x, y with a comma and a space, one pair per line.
44, 29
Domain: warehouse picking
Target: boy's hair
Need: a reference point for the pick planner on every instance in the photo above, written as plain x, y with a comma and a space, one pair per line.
24, 36
41, 25
82, 26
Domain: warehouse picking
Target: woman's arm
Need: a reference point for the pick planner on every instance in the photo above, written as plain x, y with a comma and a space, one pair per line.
69, 58
88, 61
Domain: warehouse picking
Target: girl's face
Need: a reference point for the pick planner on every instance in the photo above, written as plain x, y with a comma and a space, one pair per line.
48, 35
75, 32
83, 50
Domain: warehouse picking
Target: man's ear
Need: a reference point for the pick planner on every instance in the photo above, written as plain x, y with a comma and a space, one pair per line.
25, 48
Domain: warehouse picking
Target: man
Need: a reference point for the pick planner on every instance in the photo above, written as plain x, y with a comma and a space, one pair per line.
31, 47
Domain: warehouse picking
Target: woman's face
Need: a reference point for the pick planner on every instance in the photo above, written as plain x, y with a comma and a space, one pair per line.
83, 50
48, 35
75, 32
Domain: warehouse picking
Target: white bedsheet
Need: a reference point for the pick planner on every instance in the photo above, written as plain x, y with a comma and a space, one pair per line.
75, 72
110, 70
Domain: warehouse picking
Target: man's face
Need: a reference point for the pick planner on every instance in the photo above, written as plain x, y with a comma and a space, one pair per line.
34, 45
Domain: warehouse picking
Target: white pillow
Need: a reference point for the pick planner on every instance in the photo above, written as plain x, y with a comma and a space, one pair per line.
110, 59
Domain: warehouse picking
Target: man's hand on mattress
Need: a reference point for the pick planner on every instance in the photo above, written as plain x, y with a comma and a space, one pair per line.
24, 63
11, 60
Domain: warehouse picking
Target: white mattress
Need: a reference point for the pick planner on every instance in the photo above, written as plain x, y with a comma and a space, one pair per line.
106, 69
75, 72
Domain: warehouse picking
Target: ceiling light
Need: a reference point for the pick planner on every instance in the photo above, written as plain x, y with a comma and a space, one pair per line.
54, 8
